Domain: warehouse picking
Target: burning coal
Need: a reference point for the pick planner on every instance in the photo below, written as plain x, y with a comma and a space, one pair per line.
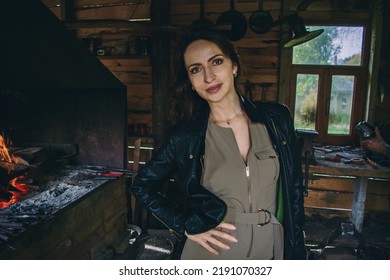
13, 190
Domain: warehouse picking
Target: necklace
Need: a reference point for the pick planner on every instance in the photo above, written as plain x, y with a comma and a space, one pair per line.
226, 121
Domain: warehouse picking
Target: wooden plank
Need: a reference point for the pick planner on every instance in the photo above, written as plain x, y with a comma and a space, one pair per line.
134, 118
136, 11
51, 3
258, 75
331, 184
340, 169
329, 213
378, 203
56, 11
137, 75
380, 187
81, 3
343, 201
116, 63
92, 28
139, 97
332, 200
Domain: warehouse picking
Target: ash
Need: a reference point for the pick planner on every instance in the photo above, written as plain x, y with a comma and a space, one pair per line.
59, 190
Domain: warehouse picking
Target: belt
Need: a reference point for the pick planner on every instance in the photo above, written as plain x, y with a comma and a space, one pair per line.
259, 218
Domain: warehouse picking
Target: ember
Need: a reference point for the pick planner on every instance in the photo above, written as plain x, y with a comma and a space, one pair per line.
17, 189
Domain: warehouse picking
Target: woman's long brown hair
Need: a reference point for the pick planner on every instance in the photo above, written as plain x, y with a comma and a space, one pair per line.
186, 102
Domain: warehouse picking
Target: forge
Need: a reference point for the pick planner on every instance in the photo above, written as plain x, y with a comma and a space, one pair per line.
60, 103
53, 207
75, 214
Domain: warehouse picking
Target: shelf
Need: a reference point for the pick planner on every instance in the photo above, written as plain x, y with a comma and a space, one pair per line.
132, 25
132, 56
139, 112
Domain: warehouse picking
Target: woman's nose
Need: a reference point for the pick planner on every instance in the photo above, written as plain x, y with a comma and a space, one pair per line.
209, 75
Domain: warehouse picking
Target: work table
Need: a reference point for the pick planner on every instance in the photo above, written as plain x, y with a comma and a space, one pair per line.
361, 172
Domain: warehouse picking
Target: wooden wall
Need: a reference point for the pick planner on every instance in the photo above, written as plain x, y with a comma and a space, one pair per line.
260, 55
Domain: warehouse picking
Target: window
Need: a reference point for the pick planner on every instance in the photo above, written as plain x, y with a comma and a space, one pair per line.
328, 82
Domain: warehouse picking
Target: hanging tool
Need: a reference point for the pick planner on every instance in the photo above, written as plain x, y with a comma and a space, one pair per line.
248, 90
305, 139
264, 90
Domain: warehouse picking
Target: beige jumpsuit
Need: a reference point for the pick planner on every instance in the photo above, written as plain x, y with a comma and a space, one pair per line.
246, 188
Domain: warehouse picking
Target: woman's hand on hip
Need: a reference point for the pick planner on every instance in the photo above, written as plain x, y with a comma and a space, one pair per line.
208, 238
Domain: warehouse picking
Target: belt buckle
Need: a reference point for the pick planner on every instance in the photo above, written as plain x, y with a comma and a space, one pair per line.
267, 217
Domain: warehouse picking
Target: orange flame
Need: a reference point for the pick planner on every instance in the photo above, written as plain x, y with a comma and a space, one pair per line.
4, 155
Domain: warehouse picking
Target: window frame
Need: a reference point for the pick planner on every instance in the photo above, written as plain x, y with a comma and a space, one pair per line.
325, 73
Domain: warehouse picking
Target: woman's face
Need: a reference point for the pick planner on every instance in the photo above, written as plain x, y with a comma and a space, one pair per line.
211, 73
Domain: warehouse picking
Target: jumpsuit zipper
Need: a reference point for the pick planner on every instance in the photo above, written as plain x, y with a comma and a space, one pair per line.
247, 172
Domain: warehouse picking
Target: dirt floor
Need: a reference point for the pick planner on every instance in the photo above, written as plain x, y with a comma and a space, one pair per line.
335, 239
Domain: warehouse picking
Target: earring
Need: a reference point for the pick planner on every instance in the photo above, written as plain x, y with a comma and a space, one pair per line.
235, 75
193, 89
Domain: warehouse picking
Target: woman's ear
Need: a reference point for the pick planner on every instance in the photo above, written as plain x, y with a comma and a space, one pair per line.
235, 70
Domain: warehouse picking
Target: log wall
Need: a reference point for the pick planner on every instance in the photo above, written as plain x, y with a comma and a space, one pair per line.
260, 55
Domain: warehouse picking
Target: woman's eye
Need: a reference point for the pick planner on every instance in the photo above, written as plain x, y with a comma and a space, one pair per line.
218, 61
194, 70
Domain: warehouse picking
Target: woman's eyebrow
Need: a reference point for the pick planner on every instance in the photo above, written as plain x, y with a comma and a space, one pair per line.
214, 56
210, 59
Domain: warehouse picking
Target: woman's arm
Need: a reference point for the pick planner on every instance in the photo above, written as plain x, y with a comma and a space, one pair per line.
149, 182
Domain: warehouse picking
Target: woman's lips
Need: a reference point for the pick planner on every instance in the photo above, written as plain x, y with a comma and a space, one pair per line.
214, 89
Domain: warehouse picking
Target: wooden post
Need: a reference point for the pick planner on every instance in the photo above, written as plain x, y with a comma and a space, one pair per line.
359, 200
67, 10
160, 61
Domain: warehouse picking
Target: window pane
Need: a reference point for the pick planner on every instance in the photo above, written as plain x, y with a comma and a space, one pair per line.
340, 110
306, 101
337, 45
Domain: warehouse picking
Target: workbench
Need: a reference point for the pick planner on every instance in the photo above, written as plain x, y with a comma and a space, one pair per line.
360, 172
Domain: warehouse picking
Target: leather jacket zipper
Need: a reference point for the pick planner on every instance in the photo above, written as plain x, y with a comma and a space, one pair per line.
284, 142
172, 231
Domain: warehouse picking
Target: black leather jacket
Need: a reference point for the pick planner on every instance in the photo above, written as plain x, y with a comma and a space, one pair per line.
182, 155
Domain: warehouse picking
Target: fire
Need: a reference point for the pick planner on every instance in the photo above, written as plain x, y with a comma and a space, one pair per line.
16, 188
4, 154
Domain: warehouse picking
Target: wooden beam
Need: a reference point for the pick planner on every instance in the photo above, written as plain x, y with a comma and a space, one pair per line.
160, 61
67, 9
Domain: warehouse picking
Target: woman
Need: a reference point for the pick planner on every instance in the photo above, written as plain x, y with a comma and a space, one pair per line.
236, 163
